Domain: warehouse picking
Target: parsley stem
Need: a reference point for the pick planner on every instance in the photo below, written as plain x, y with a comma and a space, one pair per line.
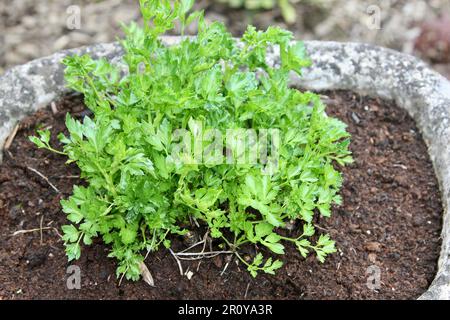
108, 210
293, 239
233, 248
242, 259
108, 180
56, 151
81, 236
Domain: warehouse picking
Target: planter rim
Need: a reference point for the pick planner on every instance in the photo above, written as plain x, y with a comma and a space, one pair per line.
359, 67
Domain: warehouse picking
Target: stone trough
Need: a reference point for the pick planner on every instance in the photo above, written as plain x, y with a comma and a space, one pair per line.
361, 68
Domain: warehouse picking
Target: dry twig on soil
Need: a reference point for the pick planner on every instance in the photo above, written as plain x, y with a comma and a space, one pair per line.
11, 137
45, 178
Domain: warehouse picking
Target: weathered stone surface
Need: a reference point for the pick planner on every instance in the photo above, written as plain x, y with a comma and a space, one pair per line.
361, 68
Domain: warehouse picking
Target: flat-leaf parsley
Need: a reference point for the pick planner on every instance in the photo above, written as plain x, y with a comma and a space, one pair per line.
143, 185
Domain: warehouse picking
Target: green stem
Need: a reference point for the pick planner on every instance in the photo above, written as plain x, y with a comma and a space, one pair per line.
79, 239
292, 239
108, 210
242, 259
56, 151
233, 248
108, 180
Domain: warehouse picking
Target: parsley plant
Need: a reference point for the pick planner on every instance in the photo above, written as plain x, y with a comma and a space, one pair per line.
139, 194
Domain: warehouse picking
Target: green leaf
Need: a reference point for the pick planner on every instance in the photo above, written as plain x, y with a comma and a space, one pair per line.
128, 235
303, 249
308, 230
186, 5
71, 234
324, 210
277, 264
274, 219
263, 229
307, 176
70, 207
296, 58
275, 247
73, 251
272, 238
43, 140
240, 85
37, 142
87, 240
307, 215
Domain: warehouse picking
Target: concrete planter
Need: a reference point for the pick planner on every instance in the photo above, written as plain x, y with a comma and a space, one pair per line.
360, 68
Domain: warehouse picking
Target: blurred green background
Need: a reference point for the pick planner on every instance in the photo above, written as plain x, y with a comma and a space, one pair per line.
35, 28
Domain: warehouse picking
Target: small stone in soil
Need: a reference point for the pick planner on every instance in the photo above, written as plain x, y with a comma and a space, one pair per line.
355, 118
372, 257
373, 246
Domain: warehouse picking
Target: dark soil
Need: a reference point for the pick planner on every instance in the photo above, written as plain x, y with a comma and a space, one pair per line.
390, 218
